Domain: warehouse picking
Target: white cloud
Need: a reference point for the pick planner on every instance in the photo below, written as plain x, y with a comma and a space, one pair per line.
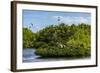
73, 20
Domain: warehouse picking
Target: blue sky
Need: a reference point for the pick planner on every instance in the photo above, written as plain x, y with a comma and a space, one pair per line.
41, 19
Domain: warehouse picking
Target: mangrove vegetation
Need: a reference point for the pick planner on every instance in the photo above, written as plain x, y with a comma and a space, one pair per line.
61, 40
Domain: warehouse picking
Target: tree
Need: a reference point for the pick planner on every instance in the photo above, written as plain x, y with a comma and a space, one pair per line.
28, 38
65, 40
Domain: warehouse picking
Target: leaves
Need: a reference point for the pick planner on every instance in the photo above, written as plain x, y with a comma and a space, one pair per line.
28, 38
60, 40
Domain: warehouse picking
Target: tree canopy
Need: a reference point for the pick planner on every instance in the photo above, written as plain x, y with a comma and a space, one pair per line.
60, 40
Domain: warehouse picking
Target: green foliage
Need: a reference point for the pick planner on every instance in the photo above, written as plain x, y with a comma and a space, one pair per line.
61, 40
28, 38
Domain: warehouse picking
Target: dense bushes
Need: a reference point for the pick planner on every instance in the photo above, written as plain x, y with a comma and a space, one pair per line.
63, 41
28, 38
63, 52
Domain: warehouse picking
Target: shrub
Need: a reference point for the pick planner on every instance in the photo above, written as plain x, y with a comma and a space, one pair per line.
60, 40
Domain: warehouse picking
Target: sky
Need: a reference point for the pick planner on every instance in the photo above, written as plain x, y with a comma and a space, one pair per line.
37, 20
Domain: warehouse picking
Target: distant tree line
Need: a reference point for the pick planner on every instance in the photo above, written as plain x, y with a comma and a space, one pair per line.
60, 40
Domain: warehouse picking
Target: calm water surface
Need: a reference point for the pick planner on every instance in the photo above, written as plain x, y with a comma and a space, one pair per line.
30, 56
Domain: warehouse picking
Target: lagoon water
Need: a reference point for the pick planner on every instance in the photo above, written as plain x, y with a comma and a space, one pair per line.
30, 56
